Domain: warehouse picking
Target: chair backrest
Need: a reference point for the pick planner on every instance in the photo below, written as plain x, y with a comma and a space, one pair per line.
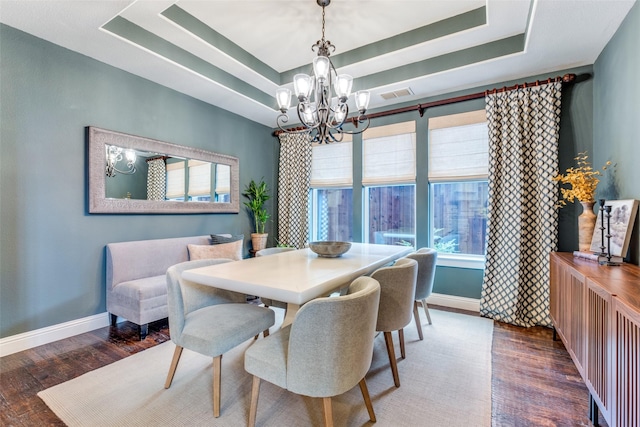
331, 341
426, 258
272, 251
397, 292
184, 296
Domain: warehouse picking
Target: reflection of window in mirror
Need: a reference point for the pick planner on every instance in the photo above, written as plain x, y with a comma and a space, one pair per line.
176, 179
199, 181
223, 184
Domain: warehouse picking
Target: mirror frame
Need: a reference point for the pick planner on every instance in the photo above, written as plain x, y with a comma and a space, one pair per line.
97, 138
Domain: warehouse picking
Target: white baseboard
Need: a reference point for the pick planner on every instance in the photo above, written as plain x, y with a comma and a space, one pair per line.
27, 340
463, 303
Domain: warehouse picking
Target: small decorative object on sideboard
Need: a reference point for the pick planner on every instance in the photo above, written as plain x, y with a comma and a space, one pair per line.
583, 181
610, 241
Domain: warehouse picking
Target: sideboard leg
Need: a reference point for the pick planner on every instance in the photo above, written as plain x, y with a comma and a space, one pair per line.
593, 411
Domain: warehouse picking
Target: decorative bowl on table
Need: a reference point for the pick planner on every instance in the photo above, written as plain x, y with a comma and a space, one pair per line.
329, 249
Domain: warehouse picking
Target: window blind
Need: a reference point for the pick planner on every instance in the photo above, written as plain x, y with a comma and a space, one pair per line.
389, 154
175, 180
199, 178
223, 179
332, 165
458, 147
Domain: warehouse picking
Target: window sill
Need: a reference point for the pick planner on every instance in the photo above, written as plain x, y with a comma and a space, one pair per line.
461, 261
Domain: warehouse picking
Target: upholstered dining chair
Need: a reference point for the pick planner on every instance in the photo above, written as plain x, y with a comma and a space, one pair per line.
209, 321
272, 251
397, 291
426, 258
324, 353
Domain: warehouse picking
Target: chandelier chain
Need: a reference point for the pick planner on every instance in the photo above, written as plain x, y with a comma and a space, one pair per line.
323, 24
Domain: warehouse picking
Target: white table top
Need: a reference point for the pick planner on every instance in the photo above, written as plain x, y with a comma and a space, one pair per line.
296, 277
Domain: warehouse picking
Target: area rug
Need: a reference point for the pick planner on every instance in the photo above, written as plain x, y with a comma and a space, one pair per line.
445, 381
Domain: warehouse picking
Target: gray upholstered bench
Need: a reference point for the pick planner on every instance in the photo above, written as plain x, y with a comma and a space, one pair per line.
136, 277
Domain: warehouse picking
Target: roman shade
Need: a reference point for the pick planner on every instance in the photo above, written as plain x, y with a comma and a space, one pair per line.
458, 147
389, 154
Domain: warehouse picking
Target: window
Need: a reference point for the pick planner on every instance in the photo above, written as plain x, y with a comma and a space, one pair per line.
458, 169
389, 174
331, 212
175, 179
223, 183
199, 181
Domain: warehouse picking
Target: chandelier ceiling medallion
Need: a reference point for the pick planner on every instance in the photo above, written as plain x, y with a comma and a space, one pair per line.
321, 115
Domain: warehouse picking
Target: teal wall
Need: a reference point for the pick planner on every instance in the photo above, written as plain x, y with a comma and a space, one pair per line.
52, 257
616, 118
52, 250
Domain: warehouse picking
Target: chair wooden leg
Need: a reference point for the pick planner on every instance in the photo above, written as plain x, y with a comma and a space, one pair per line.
426, 310
174, 364
328, 413
265, 333
392, 358
416, 316
401, 338
217, 367
367, 400
253, 409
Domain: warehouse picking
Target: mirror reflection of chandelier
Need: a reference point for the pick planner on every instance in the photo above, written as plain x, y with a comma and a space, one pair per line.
115, 155
322, 116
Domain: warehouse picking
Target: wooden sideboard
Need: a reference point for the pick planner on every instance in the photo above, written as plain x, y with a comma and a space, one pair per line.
595, 310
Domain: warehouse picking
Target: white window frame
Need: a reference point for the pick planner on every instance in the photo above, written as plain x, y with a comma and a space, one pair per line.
468, 261
381, 132
330, 184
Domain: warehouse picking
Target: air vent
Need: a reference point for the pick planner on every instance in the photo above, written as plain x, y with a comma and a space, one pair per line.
397, 93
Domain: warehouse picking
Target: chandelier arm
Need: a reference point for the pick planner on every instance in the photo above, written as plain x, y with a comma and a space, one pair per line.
131, 171
361, 119
282, 119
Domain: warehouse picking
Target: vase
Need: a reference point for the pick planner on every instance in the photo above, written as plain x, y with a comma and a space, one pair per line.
586, 225
259, 241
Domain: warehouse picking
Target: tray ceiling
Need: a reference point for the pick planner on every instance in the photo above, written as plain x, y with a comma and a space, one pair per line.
235, 53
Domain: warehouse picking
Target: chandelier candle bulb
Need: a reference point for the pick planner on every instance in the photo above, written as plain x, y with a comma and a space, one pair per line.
321, 68
343, 86
362, 100
283, 95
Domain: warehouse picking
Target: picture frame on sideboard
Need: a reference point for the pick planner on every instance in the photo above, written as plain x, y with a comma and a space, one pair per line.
619, 225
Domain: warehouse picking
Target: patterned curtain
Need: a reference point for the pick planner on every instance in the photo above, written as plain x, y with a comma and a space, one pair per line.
156, 179
522, 220
293, 189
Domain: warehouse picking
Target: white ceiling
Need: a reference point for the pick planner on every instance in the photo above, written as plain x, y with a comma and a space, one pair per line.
557, 34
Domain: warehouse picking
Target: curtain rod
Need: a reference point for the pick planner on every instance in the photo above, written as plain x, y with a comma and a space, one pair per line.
420, 108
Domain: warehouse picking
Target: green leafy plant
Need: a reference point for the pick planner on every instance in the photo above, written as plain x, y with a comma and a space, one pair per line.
258, 194
448, 246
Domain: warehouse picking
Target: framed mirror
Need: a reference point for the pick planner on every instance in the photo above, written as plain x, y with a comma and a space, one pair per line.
132, 174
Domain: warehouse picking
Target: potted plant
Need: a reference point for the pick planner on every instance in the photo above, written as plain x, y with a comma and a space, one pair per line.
258, 194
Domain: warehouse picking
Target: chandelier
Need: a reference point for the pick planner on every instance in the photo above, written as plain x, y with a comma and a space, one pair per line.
115, 155
321, 115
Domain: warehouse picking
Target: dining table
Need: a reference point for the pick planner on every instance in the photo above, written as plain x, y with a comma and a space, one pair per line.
295, 277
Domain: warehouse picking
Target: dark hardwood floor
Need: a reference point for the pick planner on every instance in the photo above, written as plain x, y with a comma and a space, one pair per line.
534, 381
